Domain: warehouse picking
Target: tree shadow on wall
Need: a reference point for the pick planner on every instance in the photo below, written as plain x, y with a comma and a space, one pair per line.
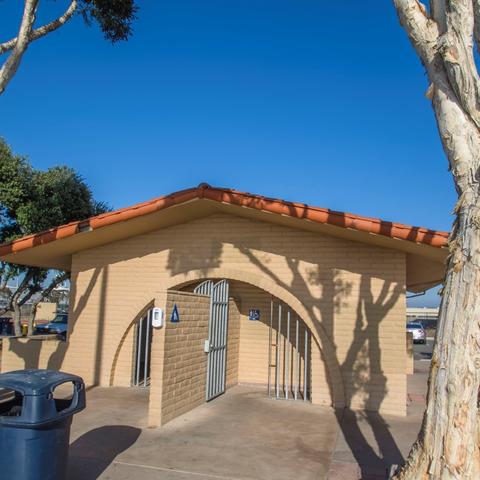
361, 370
31, 351
181, 260
326, 292
366, 378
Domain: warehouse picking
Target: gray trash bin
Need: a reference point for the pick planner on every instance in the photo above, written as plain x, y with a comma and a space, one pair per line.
35, 425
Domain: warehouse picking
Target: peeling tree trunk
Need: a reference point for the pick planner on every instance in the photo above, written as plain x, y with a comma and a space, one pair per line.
58, 280
448, 444
17, 327
31, 319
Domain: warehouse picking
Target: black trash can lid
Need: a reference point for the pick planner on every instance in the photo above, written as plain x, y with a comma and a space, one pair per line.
33, 382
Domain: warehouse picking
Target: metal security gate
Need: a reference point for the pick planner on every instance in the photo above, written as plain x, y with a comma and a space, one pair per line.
288, 354
142, 352
217, 336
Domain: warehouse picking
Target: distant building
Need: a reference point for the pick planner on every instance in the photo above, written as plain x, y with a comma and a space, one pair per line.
428, 316
422, 313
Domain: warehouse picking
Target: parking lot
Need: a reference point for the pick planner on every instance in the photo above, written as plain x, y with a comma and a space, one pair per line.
422, 352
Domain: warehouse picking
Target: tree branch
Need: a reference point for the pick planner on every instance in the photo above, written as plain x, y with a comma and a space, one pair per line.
53, 284
456, 49
476, 23
421, 29
42, 31
437, 13
13, 61
45, 293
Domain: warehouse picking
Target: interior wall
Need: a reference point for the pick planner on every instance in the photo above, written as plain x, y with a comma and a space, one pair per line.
255, 342
233, 343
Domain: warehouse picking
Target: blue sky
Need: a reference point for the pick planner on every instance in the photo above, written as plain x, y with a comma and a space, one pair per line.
318, 102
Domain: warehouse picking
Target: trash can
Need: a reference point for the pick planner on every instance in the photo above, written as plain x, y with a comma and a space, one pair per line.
35, 423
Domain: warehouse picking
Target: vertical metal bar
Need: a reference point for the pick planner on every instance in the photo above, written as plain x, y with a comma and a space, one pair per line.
215, 341
209, 354
224, 339
221, 365
147, 347
297, 361
277, 372
225, 335
214, 353
287, 357
134, 356
270, 348
139, 352
218, 296
305, 368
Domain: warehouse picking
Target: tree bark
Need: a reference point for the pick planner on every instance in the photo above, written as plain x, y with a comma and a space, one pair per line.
46, 293
448, 444
26, 35
21, 295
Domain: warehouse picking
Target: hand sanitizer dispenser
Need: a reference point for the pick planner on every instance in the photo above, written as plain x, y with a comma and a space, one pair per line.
157, 317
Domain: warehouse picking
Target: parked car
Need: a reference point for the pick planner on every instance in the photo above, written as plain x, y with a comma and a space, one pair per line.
429, 323
418, 332
6, 326
58, 326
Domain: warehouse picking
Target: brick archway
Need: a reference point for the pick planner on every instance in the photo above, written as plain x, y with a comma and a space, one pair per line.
136, 312
327, 348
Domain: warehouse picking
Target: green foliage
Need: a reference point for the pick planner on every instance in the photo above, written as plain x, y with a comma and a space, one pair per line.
32, 201
113, 16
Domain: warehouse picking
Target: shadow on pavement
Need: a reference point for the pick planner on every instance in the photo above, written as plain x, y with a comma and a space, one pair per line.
355, 426
92, 453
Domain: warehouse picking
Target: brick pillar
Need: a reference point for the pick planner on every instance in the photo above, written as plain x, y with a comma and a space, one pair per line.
156, 369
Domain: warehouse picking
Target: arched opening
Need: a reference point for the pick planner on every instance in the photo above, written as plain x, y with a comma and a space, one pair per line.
142, 351
330, 390
267, 343
255, 340
289, 356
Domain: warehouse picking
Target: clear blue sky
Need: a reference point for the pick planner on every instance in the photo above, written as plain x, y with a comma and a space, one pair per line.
318, 102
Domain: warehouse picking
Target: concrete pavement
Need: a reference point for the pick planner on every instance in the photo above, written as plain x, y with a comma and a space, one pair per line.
241, 435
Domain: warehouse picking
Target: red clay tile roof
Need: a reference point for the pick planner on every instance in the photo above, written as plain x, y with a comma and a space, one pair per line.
233, 197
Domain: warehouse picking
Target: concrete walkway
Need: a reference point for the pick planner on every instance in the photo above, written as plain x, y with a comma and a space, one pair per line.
240, 435
368, 444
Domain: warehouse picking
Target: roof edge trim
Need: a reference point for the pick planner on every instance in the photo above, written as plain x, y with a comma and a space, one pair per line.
300, 211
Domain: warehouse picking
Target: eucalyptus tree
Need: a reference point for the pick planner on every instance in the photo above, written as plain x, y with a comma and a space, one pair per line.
32, 201
445, 34
114, 17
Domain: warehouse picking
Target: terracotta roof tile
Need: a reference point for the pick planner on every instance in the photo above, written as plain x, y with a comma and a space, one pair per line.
233, 197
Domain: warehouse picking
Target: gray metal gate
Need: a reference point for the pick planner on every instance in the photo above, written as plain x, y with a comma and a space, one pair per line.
288, 354
217, 335
143, 338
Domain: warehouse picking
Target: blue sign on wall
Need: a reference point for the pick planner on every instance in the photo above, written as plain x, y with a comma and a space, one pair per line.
175, 317
254, 314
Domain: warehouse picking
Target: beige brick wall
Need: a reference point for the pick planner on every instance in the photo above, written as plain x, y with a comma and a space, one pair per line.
233, 344
185, 361
40, 351
178, 353
254, 345
46, 312
350, 294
